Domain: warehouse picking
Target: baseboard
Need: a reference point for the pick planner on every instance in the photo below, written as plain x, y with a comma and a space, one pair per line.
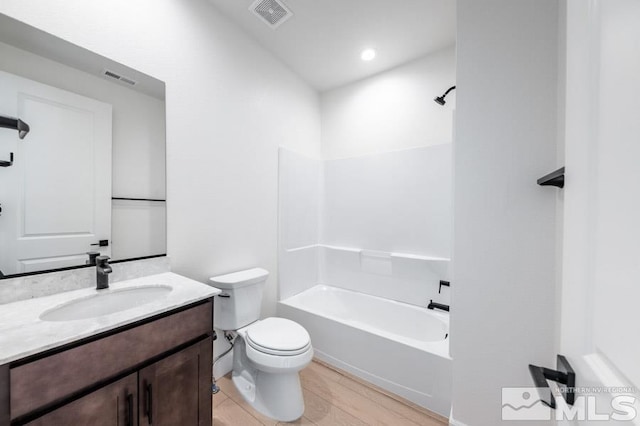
454, 422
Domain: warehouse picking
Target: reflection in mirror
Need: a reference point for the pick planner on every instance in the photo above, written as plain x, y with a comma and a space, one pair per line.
89, 173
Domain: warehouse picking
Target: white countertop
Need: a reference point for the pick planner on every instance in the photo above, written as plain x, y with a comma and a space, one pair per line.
23, 333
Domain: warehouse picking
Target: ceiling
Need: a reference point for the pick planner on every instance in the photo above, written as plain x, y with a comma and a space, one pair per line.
31, 39
323, 40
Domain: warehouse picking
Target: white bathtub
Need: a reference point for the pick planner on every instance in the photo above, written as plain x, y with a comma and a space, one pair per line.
400, 347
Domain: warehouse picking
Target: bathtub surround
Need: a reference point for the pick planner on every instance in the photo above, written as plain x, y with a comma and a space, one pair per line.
378, 224
397, 201
39, 285
300, 182
404, 277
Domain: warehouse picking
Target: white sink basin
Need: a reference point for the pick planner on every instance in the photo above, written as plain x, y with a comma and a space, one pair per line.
105, 302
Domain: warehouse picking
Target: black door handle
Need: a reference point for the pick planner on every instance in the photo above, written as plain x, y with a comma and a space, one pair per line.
102, 243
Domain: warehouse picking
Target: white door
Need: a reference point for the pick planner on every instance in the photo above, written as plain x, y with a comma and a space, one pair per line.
600, 314
56, 197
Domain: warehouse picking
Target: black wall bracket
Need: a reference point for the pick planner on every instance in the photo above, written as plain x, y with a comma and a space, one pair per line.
7, 163
563, 374
15, 124
553, 179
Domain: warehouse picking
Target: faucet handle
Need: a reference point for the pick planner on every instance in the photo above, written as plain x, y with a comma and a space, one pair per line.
102, 260
92, 257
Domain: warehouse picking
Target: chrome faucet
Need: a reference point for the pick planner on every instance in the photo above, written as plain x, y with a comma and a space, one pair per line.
103, 269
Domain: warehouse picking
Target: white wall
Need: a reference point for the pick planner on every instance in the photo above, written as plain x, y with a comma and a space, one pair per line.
392, 110
503, 291
138, 148
229, 105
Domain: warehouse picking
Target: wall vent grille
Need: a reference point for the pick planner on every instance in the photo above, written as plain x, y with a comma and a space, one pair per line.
272, 12
112, 75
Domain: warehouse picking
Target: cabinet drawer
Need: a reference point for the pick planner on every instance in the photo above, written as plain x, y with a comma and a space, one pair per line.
50, 379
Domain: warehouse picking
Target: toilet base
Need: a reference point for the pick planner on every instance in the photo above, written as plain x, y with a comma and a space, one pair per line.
278, 396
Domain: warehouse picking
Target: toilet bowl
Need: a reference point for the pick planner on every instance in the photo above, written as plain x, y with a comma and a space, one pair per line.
265, 368
268, 354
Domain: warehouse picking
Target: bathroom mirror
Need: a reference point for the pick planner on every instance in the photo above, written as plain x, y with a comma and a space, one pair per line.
82, 155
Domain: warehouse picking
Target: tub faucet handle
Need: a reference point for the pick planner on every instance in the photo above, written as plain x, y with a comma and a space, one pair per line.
443, 283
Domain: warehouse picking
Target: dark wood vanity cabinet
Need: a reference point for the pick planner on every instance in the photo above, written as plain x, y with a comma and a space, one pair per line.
167, 390
114, 404
154, 372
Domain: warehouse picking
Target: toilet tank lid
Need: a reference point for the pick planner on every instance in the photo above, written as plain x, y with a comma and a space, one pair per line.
240, 278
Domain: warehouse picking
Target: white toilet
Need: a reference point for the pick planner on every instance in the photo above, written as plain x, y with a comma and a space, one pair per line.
268, 353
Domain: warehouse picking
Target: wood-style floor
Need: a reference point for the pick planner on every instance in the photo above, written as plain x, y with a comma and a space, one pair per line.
331, 398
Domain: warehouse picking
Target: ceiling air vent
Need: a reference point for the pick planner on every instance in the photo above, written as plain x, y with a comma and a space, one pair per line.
121, 78
272, 12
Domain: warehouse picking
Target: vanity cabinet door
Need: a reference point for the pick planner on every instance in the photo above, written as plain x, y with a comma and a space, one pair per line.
177, 390
113, 405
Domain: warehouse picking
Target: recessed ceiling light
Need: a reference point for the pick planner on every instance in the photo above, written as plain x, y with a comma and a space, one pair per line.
368, 54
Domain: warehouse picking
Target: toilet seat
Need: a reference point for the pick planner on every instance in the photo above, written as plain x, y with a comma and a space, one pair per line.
278, 336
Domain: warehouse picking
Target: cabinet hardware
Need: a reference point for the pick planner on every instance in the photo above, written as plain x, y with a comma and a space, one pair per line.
149, 402
130, 410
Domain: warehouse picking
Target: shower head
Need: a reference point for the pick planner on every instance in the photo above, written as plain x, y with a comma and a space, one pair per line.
440, 99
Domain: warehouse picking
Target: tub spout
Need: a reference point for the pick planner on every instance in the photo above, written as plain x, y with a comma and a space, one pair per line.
434, 305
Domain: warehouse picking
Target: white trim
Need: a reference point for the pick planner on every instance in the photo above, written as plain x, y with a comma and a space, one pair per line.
454, 422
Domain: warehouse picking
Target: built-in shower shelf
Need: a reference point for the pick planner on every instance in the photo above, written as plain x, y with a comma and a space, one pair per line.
555, 178
408, 256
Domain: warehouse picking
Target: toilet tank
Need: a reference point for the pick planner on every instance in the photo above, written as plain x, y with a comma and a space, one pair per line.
239, 303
